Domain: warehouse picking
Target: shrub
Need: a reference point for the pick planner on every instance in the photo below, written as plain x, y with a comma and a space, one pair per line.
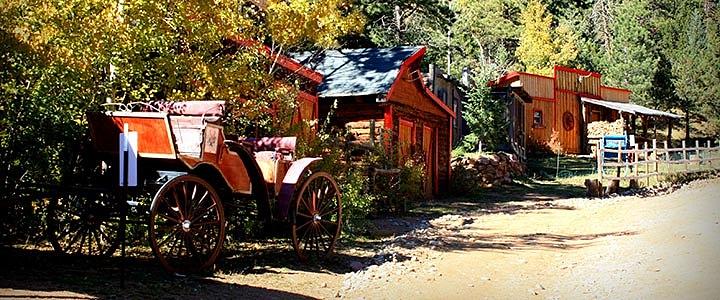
357, 202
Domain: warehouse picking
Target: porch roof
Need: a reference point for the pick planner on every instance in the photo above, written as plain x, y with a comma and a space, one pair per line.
630, 108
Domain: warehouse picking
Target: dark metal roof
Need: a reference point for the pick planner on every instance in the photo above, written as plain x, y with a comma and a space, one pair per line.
357, 72
630, 108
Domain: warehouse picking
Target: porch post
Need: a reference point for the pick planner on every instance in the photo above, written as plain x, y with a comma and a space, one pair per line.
670, 126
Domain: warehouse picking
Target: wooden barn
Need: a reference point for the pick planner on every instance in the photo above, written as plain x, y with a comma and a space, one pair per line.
566, 103
385, 88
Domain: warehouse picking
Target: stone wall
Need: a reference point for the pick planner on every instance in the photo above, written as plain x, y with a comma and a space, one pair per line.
471, 174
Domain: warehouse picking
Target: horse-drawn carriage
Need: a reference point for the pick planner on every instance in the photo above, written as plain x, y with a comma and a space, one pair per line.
193, 172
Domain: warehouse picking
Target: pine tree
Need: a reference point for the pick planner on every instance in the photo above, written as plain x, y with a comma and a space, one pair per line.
691, 56
629, 60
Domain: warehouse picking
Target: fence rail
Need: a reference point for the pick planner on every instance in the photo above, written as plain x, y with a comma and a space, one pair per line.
650, 160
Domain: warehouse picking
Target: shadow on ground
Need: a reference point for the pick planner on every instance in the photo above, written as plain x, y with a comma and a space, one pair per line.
24, 273
503, 242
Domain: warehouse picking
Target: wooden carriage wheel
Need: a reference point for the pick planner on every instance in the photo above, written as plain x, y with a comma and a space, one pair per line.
187, 224
83, 222
316, 217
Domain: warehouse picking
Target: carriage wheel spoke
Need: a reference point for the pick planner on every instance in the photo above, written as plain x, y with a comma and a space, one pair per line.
200, 224
318, 205
303, 225
181, 248
204, 212
325, 213
177, 202
171, 219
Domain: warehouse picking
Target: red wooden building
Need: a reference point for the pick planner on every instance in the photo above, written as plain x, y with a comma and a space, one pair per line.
385, 86
565, 103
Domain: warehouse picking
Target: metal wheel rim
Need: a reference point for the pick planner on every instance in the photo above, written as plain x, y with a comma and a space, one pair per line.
316, 225
187, 225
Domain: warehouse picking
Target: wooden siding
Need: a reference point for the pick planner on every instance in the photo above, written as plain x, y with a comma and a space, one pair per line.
537, 86
614, 94
407, 90
441, 140
350, 109
570, 139
362, 131
540, 135
428, 147
570, 80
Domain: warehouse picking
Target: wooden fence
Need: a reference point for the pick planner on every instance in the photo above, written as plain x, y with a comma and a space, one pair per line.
644, 162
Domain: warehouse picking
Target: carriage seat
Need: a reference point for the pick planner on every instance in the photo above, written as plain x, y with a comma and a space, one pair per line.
270, 155
211, 111
188, 119
282, 144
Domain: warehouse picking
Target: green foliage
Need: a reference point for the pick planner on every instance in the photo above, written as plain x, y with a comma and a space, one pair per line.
484, 33
486, 118
542, 46
418, 22
629, 62
691, 55
357, 202
59, 59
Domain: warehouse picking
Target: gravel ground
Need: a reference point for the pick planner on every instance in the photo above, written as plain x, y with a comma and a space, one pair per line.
661, 243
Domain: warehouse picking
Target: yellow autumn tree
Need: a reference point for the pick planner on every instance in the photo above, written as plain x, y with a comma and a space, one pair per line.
541, 46
291, 22
139, 50
61, 58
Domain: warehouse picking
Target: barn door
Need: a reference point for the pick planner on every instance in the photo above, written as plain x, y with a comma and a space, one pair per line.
428, 143
406, 139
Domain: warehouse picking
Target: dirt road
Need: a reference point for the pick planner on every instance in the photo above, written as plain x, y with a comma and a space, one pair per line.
625, 247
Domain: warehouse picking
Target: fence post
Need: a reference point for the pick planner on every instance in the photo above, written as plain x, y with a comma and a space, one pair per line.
647, 164
655, 160
684, 152
619, 160
636, 154
634, 183
697, 154
667, 157
600, 157
710, 153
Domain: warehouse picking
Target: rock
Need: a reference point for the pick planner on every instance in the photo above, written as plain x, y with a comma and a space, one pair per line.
356, 265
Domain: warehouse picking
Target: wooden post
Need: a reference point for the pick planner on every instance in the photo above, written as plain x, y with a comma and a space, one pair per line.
697, 154
636, 166
654, 121
619, 158
647, 165
655, 160
670, 126
372, 132
600, 149
684, 152
667, 157
710, 153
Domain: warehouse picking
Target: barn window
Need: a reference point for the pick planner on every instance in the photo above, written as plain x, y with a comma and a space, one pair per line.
538, 121
568, 121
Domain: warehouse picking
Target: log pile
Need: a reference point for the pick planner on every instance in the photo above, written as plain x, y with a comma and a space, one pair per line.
470, 174
602, 128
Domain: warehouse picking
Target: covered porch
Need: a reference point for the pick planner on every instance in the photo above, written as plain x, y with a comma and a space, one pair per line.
595, 110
